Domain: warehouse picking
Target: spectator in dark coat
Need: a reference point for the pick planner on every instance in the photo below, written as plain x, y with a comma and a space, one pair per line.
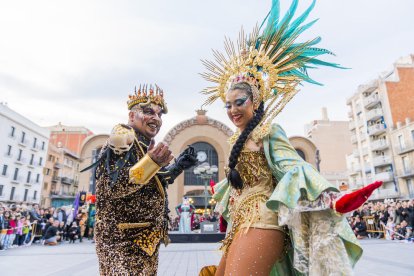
51, 237
359, 228
402, 231
410, 210
74, 232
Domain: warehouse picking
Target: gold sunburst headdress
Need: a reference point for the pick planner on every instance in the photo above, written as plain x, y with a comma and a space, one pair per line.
146, 95
270, 59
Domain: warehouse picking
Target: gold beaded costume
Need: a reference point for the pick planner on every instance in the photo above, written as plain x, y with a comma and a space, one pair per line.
247, 206
132, 206
131, 219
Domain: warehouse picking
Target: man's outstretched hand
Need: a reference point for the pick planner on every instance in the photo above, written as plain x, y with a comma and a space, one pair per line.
160, 153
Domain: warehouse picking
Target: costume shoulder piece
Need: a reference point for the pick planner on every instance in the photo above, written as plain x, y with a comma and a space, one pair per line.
121, 139
271, 59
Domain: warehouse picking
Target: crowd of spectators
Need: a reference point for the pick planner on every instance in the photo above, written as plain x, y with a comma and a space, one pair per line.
196, 221
393, 220
22, 225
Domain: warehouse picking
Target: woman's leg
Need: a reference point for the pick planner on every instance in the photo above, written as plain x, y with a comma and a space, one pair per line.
221, 267
254, 252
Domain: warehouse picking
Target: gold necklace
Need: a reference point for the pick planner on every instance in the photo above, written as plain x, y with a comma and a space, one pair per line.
257, 135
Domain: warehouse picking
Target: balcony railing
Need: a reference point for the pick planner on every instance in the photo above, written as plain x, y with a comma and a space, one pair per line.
20, 161
364, 151
384, 193
55, 178
371, 101
407, 147
382, 161
351, 125
23, 142
356, 153
67, 180
363, 136
354, 139
58, 165
6, 175
369, 180
374, 114
359, 183
28, 183
406, 173
54, 194
16, 180
379, 145
376, 129
35, 148
352, 172
384, 176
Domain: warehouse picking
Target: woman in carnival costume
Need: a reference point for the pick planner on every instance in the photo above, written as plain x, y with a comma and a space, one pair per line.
284, 217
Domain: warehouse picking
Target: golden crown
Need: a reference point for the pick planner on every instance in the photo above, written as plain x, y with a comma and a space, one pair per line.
147, 94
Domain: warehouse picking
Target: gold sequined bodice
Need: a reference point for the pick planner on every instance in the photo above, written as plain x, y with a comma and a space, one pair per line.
253, 168
247, 206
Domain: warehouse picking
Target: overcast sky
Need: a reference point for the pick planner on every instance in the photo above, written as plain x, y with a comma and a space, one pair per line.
75, 62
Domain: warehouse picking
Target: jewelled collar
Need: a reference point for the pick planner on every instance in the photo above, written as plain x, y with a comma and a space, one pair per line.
257, 135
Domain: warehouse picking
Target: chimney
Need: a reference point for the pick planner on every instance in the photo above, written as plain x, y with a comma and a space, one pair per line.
325, 114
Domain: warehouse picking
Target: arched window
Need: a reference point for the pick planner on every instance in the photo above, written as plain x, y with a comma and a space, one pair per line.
301, 154
212, 158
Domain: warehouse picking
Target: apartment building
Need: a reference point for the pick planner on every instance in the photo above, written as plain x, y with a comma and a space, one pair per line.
375, 111
63, 164
402, 139
23, 146
61, 177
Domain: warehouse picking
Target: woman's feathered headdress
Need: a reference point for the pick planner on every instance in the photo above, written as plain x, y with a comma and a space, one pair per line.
270, 59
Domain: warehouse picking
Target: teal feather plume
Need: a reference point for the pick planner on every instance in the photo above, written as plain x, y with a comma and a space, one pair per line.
284, 33
298, 21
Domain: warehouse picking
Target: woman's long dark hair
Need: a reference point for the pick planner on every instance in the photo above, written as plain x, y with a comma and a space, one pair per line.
233, 175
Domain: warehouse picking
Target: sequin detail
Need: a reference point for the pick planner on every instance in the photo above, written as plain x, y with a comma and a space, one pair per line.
149, 239
247, 206
252, 167
247, 211
127, 215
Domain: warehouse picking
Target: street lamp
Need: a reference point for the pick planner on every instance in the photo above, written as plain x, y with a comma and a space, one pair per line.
205, 172
212, 203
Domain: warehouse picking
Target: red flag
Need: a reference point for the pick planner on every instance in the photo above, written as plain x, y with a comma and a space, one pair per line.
354, 200
212, 183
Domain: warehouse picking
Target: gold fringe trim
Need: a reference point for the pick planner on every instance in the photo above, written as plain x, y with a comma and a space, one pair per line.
248, 211
124, 226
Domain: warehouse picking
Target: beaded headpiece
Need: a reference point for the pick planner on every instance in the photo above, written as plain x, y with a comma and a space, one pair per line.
146, 95
270, 59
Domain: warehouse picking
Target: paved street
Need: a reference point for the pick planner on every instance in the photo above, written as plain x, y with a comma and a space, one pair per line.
380, 258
